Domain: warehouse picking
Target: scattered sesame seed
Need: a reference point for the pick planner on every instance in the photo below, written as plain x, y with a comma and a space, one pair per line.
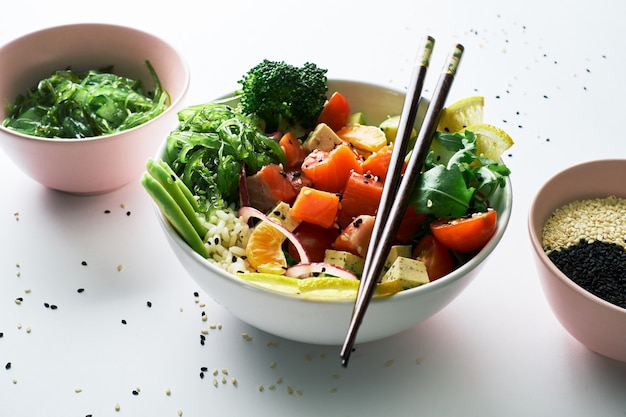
180, 413
234, 381
246, 336
117, 407
273, 365
271, 387
289, 390
261, 388
389, 362
78, 390
168, 392
333, 390
215, 383
120, 267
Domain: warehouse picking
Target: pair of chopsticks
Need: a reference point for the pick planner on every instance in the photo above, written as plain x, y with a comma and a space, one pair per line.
397, 187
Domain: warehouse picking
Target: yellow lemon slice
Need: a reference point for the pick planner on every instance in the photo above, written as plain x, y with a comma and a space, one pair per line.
462, 113
491, 141
387, 288
333, 288
274, 282
328, 288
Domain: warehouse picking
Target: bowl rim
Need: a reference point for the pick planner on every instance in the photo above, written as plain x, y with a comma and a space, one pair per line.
186, 75
478, 258
535, 238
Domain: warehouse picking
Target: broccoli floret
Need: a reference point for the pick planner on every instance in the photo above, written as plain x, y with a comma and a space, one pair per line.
283, 95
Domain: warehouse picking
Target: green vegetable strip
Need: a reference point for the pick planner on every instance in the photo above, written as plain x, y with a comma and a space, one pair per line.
174, 213
160, 171
85, 104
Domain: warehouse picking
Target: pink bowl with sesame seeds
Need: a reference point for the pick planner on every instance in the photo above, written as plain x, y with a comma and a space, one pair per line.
598, 324
325, 322
95, 164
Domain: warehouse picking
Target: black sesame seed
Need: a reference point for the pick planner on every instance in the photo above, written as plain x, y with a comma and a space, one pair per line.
201, 375
46, 305
84, 263
123, 321
128, 213
204, 369
1, 334
53, 306
149, 303
598, 267
107, 211
135, 392
7, 366
195, 294
80, 290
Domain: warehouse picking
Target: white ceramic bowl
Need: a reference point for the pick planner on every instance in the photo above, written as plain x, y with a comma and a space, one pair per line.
98, 164
597, 324
326, 322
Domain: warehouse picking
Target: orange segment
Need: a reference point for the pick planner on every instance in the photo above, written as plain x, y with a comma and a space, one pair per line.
264, 249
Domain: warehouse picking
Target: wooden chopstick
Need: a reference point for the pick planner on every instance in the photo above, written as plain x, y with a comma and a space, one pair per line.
397, 188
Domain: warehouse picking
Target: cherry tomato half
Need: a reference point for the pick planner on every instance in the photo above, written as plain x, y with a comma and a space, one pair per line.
435, 255
466, 234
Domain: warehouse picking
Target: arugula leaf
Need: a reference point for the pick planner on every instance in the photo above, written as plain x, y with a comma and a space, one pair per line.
455, 181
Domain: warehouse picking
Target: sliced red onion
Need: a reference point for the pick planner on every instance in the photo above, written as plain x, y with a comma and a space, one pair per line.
307, 270
244, 197
248, 212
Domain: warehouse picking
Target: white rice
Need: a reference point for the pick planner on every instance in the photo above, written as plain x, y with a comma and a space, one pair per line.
226, 240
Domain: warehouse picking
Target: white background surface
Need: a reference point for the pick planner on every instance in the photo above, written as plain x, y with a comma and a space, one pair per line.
552, 76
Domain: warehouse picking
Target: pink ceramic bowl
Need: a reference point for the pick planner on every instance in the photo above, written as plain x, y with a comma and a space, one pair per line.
597, 324
99, 164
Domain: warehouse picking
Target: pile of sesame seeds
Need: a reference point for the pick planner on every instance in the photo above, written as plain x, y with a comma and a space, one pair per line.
602, 219
586, 240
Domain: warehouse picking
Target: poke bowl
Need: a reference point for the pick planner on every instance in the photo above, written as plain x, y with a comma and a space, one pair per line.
321, 320
97, 162
576, 227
